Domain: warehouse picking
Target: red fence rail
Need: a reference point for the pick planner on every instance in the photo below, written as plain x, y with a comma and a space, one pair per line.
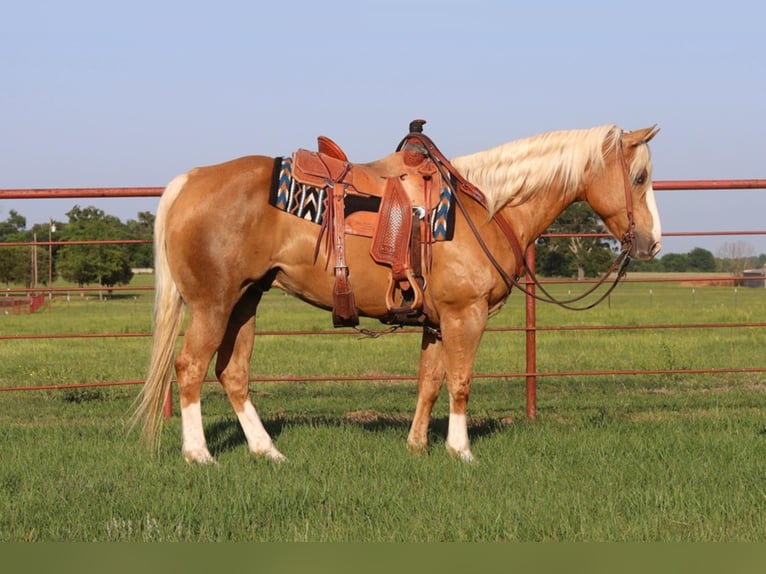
530, 329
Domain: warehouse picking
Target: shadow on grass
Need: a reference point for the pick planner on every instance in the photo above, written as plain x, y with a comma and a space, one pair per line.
226, 434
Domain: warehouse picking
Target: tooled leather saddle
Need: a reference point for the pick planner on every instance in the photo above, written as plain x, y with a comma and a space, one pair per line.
407, 184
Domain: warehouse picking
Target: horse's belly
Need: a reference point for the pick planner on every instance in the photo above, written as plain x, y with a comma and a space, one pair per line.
315, 286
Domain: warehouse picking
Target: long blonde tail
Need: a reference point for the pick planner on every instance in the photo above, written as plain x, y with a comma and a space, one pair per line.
166, 327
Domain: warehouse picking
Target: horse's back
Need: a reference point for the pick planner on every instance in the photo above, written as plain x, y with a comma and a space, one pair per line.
223, 190
254, 171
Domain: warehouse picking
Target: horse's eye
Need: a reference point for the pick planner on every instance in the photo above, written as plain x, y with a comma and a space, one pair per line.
641, 179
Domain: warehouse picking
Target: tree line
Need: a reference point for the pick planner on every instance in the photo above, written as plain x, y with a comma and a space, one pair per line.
591, 256
108, 264
112, 264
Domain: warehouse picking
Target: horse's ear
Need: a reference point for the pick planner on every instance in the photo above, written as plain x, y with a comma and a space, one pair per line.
641, 136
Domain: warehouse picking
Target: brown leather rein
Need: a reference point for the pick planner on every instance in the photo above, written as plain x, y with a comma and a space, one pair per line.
458, 183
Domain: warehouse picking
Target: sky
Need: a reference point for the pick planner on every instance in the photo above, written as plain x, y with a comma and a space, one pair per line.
111, 94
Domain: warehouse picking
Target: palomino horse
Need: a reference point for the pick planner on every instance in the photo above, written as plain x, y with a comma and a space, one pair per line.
219, 245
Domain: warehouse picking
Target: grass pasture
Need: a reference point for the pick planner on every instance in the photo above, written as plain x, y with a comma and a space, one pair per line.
676, 457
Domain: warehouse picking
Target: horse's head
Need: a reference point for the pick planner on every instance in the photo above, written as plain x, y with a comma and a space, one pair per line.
623, 196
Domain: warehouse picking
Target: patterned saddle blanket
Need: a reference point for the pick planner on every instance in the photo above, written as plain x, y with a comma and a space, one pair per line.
309, 201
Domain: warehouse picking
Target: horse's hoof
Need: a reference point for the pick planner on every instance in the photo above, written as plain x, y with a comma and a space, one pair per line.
461, 455
417, 449
465, 456
271, 454
201, 456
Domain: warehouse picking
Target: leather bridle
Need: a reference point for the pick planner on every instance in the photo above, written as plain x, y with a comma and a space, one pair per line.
458, 183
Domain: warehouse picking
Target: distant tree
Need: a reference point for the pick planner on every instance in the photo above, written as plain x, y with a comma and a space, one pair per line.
14, 265
553, 262
15, 262
700, 259
102, 264
141, 254
15, 224
652, 265
675, 262
580, 256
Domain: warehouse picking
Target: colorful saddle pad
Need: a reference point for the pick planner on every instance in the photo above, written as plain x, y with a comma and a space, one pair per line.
310, 202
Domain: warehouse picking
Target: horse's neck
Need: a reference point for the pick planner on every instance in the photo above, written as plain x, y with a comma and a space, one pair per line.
528, 199
535, 215
532, 217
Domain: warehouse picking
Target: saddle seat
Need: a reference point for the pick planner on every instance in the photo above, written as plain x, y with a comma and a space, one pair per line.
329, 165
408, 185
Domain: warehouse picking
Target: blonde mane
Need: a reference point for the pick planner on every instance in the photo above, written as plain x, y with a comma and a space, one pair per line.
511, 173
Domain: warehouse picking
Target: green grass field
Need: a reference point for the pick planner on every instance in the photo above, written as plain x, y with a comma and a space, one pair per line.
671, 457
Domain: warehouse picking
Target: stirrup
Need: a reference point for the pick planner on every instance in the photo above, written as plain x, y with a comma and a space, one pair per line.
417, 291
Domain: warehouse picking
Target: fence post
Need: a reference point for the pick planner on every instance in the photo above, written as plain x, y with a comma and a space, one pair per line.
531, 332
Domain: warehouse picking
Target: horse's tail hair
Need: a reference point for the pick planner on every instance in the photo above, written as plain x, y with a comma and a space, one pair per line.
166, 326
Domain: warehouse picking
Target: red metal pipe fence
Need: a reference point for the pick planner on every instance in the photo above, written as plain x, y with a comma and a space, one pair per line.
530, 329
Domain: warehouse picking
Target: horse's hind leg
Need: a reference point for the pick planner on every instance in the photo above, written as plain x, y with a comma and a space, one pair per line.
203, 335
233, 370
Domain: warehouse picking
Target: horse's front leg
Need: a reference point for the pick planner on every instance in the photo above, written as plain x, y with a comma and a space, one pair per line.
430, 379
461, 335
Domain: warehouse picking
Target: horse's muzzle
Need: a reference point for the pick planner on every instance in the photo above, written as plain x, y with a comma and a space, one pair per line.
645, 250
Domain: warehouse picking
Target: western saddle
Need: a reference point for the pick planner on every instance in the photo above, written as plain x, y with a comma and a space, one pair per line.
407, 183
